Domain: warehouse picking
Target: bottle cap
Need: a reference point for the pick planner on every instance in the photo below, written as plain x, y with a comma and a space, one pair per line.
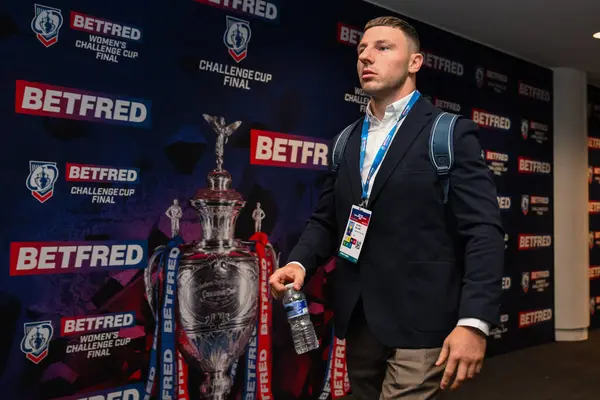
289, 286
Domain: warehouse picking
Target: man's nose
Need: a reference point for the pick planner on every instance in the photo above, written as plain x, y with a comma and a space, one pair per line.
366, 57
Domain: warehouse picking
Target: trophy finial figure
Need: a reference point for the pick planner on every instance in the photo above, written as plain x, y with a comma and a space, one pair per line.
174, 213
258, 215
223, 133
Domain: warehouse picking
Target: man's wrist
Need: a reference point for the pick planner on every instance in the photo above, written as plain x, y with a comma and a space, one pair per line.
478, 325
298, 264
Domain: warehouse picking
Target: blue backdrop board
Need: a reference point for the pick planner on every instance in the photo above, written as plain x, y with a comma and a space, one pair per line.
593, 114
111, 110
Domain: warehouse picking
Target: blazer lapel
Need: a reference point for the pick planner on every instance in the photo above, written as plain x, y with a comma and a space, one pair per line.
413, 124
352, 159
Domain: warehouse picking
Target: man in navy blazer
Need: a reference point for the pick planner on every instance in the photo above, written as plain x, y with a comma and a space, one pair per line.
416, 306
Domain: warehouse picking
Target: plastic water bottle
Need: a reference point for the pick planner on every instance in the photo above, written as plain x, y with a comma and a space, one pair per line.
303, 331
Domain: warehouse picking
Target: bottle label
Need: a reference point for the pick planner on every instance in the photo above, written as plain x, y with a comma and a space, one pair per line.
296, 308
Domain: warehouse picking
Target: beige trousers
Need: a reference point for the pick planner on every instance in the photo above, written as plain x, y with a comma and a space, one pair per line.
378, 372
411, 374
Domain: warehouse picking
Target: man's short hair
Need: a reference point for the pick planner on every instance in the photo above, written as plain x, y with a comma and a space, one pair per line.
395, 22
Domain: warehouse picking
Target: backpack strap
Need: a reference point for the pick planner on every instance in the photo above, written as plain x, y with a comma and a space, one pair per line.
339, 145
441, 147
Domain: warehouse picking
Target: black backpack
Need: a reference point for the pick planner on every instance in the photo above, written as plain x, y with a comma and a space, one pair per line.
441, 147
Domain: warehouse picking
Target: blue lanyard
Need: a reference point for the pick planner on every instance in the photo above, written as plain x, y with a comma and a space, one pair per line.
384, 146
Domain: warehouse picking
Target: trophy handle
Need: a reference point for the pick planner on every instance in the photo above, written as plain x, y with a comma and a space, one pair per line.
274, 256
148, 278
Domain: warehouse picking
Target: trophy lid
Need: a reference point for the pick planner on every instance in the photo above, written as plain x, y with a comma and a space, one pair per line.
219, 188
218, 206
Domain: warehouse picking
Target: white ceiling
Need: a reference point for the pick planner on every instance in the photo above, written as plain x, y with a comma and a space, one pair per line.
551, 33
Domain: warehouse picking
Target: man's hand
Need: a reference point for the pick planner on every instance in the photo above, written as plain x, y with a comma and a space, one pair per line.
464, 349
290, 273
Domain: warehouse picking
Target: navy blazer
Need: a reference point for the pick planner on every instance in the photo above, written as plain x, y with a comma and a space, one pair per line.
424, 264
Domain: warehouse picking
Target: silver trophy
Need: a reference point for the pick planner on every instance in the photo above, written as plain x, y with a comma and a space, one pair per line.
217, 283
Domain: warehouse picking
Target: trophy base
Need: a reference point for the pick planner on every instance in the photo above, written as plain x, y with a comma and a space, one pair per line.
216, 386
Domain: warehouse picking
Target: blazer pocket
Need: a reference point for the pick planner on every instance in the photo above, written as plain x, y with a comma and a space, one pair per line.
432, 295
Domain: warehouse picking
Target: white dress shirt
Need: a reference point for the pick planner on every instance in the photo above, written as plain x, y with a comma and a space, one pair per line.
378, 130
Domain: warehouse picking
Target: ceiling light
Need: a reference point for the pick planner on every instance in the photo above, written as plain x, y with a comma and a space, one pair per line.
596, 35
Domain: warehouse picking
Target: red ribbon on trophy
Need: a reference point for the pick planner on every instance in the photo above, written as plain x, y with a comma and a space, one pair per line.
259, 359
182, 379
336, 382
339, 371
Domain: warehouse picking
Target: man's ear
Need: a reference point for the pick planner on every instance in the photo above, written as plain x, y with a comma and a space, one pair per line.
415, 62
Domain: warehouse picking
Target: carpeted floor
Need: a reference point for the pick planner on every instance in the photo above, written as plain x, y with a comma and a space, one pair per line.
556, 371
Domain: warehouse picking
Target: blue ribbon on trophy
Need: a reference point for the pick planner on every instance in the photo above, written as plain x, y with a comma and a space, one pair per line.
167, 270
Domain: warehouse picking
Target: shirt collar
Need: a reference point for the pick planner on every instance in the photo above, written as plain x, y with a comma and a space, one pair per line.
392, 111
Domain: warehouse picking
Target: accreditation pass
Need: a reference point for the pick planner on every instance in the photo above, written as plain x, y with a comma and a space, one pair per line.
354, 235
